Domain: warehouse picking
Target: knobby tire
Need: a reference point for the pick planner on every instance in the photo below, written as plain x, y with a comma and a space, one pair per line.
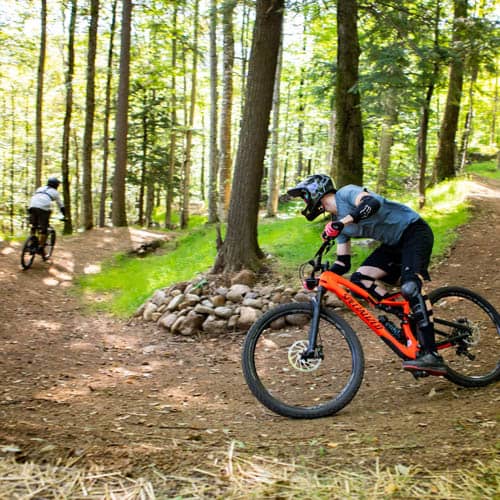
461, 312
28, 252
270, 357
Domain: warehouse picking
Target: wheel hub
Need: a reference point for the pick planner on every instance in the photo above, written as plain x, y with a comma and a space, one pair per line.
297, 359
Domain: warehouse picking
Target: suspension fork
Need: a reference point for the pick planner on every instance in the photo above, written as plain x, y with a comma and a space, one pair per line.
313, 331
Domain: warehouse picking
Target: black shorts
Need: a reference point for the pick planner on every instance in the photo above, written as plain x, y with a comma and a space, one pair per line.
411, 255
39, 218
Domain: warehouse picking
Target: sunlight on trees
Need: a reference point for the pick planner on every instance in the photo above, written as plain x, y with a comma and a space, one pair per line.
179, 153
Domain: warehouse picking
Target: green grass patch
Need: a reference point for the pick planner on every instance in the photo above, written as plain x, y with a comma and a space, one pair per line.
126, 282
485, 169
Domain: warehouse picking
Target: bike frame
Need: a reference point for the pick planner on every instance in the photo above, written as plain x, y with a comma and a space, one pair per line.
339, 286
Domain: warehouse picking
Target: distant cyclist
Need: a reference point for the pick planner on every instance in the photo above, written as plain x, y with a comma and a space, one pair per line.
40, 208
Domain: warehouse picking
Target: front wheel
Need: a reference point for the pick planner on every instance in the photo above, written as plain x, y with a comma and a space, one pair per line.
286, 383
29, 251
467, 330
49, 245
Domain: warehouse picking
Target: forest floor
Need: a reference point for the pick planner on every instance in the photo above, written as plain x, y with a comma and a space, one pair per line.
92, 389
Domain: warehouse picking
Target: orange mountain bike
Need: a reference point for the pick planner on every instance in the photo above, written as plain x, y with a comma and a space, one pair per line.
304, 360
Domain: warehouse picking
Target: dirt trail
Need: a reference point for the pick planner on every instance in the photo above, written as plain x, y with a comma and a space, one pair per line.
125, 395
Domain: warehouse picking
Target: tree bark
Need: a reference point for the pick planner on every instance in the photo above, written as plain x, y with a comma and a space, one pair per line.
173, 125
189, 134
225, 156
213, 155
39, 94
87, 209
107, 114
423, 129
70, 70
349, 131
274, 164
240, 248
118, 210
444, 166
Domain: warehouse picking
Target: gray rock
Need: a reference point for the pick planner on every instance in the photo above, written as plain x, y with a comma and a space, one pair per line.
279, 323
218, 300
159, 297
223, 312
248, 316
202, 309
297, 319
175, 302
233, 322
178, 324
167, 320
191, 299
237, 292
302, 297
191, 324
148, 311
214, 326
253, 302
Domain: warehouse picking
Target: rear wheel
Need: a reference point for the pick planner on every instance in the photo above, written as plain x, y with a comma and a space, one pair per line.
467, 330
286, 383
29, 251
49, 245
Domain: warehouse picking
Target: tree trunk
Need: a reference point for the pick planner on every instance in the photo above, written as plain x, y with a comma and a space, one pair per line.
39, 94
423, 129
274, 172
87, 210
240, 248
119, 210
493, 127
107, 114
70, 70
173, 125
464, 144
212, 167
225, 157
144, 156
444, 166
349, 132
189, 134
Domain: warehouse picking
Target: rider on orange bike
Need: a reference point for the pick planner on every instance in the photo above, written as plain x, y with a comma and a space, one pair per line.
403, 256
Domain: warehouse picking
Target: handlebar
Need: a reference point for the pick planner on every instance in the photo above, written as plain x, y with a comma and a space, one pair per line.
310, 282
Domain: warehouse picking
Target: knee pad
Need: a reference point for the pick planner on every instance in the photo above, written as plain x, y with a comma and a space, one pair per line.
411, 290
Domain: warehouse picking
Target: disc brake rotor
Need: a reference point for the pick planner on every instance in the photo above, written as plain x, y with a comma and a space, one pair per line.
295, 357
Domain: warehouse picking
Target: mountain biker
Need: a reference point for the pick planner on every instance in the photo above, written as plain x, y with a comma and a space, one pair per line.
40, 208
403, 256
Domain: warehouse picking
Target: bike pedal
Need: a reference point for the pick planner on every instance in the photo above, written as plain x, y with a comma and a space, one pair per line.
420, 374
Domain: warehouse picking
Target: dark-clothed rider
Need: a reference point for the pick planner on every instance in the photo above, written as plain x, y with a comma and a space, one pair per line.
403, 256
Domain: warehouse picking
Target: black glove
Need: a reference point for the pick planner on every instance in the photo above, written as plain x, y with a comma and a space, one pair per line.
332, 230
343, 264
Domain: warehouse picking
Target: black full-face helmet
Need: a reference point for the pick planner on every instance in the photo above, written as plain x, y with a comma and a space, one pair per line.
311, 190
53, 182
